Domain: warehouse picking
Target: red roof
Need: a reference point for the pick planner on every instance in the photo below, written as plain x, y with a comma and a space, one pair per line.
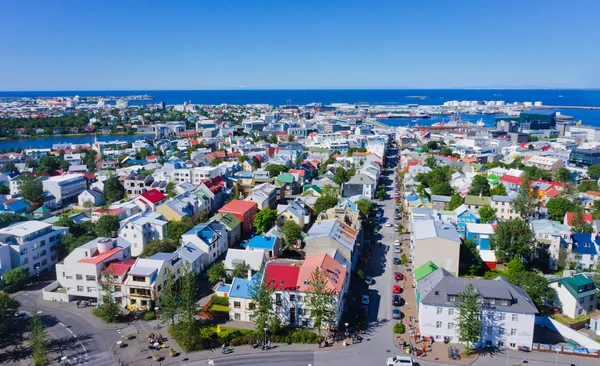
552, 192
101, 257
120, 268
238, 206
153, 196
297, 171
214, 185
570, 215
220, 154
310, 165
109, 211
282, 276
234, 154
511, 179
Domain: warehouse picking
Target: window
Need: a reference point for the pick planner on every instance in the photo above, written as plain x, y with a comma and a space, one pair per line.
300, 311
580, 300
292, 297
139, 279
90, 278
91, 289
451, 312
515, 317
237, 316
490, 330
580, 312
501, 331
237, 305
592, 297
25, 261
450, 326
277, 299
512, 345
590, 308
80, 288
438, 325
513, 332
53, 258
35, 255
439, 311
451, 298
44, 262
117, 288
42, 243
503, 316
78, 277
35, 246
251, 306
299, 297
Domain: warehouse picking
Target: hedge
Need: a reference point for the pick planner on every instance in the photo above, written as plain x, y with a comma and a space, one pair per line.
220, 300
399, 328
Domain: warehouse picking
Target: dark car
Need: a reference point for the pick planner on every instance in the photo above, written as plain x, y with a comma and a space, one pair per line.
396, 314
398, 276
396, 300
396, 260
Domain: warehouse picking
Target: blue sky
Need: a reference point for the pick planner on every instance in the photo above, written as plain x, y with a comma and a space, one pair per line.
287, 44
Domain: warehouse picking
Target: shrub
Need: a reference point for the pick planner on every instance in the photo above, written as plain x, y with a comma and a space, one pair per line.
361, 274
220, 300
150, 315
399, 328
360, 325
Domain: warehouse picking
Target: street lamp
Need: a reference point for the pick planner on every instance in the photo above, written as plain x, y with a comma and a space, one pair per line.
265, 344
346, 324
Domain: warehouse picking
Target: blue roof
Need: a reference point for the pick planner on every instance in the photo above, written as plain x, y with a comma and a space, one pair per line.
412, 198
163, 256
261, 242
240, 287
224, 288
583, 244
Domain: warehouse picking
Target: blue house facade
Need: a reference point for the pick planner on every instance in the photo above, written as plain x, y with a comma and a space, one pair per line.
480, 234
465, 216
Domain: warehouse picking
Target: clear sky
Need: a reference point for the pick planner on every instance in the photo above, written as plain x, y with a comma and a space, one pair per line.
304, 44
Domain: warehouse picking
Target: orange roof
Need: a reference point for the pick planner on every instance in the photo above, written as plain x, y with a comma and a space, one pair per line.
297, 171
336, 273
101, 257
591, 193
469, 160
571, 215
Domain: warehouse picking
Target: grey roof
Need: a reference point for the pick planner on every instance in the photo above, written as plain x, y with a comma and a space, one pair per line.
161, 256
434, 229
435, 288
435, 198
190, 252
503, 198
361, 179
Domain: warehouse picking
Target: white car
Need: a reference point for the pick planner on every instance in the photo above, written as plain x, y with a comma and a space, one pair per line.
388, 224
399, 360
397, 250
397, 242
365, 300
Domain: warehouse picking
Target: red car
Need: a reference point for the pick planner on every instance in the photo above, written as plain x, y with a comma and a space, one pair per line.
397, 289
398, 276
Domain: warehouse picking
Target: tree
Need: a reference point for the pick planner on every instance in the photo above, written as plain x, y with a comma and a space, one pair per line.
71, 242
242, 158
275, 169
498, 190
261, 291
292, 232
562, 175
455, 202
433, 145
446, 151
30, 163
558, 207
468, 321
168, 299
487, 214
298, 161
7, 219
31, 189
331, 191
364, 207
170, 189
188, 307
431, 162
240, 270
216, 272
320, 300
340, 176
479, 186
88, 205
15, 279
107, 226
594, 171
525, 203
38, 339
255, 163
108, 309
175, 229
380, 194
113, 190
513, 238
159, 246
9, 168
264, 220
324, 203
588, 185
8, 307
441, 189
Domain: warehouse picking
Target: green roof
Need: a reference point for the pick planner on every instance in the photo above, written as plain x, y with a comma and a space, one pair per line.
493, 179
42, 210
425, 270
285, 178
52, 219
228, 219
476, 200
577, 282
477, 167
313, 187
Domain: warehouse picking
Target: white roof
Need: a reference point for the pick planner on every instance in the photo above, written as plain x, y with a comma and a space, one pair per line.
480, 228
25, 228
434, 229
488, 256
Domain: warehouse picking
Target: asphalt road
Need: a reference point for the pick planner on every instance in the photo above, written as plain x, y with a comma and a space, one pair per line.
71, 335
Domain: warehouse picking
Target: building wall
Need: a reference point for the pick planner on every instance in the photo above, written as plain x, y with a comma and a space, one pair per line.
79, 279
38, 254
243, 312
504, 212
442, 252
572, 307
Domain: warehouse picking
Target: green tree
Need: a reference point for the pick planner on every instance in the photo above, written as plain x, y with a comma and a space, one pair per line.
455, 202
324, 203
264, 220
525, 203
7, 219
216, 161
320, 300
15, 279
433, 145
441, 189
594, 171
292, 233
9, 168
188, 307
446, 151
364, 207
331, 191
261, 291
468, 321
113, 190
431, 162
587, 186
558, 207
498, 190
298, 161
242, 158
170, 189
562, 175
159, 246
479, 186
380, 194
38, 339
168, 297
175, 229
340, 176
255, 163
487, 214
30, 163
107, 226
513, 238
8, 307
240, 270
275, 169
108, 309
216, 272
31, 189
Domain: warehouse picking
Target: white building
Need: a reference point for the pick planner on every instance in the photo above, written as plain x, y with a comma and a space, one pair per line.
33, 245
508, 314
503, 208
141, 229
210, 237
79, 272
576, 296
65, 187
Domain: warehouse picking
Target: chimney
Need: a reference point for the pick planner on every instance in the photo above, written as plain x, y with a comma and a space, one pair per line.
249, 274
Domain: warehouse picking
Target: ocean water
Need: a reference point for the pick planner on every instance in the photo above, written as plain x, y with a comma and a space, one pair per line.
47, 142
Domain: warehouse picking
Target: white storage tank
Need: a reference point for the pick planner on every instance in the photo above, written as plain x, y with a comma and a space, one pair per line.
105, 244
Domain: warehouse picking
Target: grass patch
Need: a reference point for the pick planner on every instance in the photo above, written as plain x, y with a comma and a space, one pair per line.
563, 319
226, 331
216, 307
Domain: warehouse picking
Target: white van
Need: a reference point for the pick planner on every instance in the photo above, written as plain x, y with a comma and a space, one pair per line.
400, 361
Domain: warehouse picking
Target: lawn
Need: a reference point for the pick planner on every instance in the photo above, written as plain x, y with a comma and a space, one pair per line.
215, 307
563, 319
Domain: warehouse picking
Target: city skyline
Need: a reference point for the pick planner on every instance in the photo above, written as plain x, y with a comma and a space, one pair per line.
281, 46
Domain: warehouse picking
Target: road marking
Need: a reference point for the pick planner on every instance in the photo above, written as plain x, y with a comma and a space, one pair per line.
62, 324
70, 331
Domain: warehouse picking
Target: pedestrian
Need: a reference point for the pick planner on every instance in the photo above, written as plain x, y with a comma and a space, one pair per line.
250, 343
319, 343
269, 344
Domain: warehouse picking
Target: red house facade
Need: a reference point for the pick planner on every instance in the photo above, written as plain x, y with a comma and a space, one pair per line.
243, 210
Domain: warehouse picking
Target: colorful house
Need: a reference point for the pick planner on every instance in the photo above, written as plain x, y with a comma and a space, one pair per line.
480, 234
244, 211
465, 216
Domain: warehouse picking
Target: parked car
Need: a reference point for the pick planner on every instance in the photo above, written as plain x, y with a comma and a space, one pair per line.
397, 242
397, 250
398, 276
365, 300
396, 260
399, 361
396, 301
388, 224
369, 280
396, 314
396, 289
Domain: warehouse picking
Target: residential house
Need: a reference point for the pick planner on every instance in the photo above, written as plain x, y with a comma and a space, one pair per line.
265, 195
136, 184
576, 296
233, 225
359, 184
503, 208
511, 182
333, 235
66, 187
464, 215
241, 305
150, 200
193, 256
583, 251
94, 195
508, 314
552, 239
543, 162
288, 184
570, 218
438, 203
215, 189
296, 211
141, 229
271, 245
436, 242
210, 237
252, 258
474, 203
244, 211
480, 234
180, 207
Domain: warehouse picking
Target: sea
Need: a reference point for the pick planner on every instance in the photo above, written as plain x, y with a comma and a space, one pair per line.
550, 97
